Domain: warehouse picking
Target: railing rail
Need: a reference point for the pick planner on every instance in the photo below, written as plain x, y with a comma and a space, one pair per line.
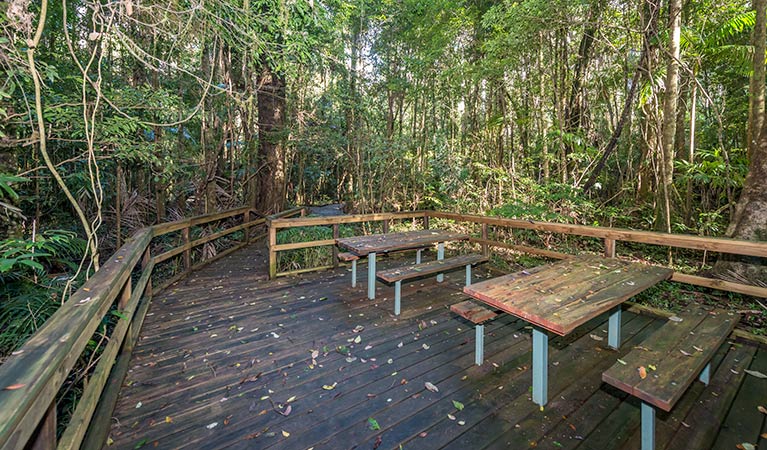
610, 237
33, 375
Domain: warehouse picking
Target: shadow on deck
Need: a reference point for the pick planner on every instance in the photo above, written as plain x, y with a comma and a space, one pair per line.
225, 360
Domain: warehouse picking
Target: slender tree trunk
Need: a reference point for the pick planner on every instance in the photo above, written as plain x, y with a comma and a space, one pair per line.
670, 100
691, 152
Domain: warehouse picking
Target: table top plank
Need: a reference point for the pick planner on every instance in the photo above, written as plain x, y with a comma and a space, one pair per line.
381, 243
561, 296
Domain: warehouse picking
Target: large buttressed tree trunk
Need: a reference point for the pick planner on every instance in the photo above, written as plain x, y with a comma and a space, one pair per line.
750, 221
271, 142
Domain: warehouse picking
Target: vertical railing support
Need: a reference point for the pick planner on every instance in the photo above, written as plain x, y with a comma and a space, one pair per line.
272, 253
246, 230
145, 261
335, 248
426, 221
45, 436
385, 226
485, 249
609, 248
187, 249
125, 294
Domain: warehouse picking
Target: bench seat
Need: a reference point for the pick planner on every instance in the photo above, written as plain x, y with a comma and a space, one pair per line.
429, 268
478, 315
399, 274
671, 359
347, 256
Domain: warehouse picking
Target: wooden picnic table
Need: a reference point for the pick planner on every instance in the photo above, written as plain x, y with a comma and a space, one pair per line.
560, 297
383, 243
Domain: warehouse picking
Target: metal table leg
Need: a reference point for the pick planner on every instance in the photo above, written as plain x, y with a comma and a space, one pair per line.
540, 366
371, 276
440, 257
648, 427
614, 329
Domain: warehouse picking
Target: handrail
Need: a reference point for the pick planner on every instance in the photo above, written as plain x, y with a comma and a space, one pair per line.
610, 237
32, 376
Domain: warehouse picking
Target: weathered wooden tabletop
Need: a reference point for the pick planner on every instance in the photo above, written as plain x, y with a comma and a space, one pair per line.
561, 296
375, 243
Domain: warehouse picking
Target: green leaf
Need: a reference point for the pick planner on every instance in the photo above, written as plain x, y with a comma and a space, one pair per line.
373, 424
458, 405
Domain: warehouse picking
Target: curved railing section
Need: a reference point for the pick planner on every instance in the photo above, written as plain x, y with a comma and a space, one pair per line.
33, 375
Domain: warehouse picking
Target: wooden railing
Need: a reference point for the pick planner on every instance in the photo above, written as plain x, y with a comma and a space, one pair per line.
33, 375
610, 237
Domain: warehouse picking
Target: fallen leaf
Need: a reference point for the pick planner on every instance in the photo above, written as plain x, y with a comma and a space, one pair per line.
755, 373
13, 387
423, 434
684, 352
651, 367
373, 424
291, 399
461, 423
458, 405
285, 433
329, 387
761, 409
287, 411
746, 446
378, 442
642, 372
399, 345
451, 417
168, 419
431, 387
425, 347
622, 361
139, 405
211, 425
675, 319
315, 354
358, 328
596, 338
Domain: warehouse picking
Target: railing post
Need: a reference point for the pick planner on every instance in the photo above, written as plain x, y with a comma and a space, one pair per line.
246, 230
144, 264
485, 249
125, 294
426, 221
272, 253
188, 250
386, 226
335, 248
609, 248
45, 437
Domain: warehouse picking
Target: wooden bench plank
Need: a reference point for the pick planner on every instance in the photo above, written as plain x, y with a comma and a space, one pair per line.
429, 268
678, 351
347, 256
473, 312
362, 245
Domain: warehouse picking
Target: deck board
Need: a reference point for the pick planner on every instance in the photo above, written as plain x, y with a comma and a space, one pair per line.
207, 354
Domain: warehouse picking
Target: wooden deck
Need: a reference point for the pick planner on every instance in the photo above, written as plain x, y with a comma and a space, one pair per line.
225, 361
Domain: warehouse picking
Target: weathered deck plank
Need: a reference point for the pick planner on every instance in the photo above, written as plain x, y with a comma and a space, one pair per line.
208, 354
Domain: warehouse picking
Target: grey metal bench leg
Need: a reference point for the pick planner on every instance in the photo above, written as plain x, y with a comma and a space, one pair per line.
440, 257
479, 346
418, 256
354, 273
648, 427
371, 276
705, 374
614, 329
540, 366
397, 297
468, 274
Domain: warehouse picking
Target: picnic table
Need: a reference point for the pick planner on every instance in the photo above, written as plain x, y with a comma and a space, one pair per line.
384, 243
558, 298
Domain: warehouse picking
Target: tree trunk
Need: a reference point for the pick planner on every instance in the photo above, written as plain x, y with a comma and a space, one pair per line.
749, 222
756, 84
271, 147
670, 100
